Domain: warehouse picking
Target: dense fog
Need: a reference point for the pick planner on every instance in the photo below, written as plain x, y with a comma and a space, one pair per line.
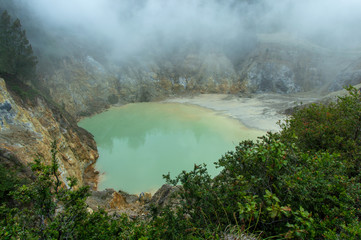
127, 28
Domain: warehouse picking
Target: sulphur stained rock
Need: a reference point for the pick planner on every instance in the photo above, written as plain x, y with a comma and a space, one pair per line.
27, 130
107, 199
119, 202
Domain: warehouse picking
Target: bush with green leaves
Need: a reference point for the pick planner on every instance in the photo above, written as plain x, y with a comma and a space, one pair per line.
7, 183
47, 209
335, 127
303, 182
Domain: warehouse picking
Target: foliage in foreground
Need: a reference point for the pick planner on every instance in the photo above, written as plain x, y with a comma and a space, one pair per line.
48, 209
300, 183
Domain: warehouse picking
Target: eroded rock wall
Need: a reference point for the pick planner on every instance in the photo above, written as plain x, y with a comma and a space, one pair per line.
284, 64
350, 75
27, 129
84, 86
275, 63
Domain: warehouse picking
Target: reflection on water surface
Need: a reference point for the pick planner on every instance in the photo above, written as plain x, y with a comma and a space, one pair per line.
137, 143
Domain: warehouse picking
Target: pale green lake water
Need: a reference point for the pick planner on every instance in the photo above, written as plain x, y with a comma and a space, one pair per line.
137, 143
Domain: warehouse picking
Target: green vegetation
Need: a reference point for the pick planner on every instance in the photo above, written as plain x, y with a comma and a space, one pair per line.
7, 182
300, 183
16, 54
113, 99
17, 62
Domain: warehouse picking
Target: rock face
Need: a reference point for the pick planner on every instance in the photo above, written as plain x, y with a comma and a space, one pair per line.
107, 199
84, 86
284, 64
117, 203
134, 206
350, 75
276, 63
27, 130
165, 196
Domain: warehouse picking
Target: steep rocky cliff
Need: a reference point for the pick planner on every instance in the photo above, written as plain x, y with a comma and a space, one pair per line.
285, 64
85, 86
277, 63
27, 129
350, 75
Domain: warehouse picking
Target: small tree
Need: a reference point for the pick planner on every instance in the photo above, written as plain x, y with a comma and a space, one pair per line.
16, 53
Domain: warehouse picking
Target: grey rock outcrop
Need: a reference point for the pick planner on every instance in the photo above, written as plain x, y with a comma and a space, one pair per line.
285, 64
117, 202
276, 63
165, 196
84, 86
271, 77
351, 75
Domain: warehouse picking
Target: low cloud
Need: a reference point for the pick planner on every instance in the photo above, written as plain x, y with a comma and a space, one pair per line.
129, 27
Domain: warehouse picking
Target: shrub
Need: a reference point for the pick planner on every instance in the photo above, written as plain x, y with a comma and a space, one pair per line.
7, 182
300, 183
48, 209
113, 99
335, 127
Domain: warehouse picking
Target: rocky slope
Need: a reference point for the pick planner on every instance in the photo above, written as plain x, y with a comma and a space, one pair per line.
119, 202
350, 75
276, 63
282, 63
28, 127
85, 86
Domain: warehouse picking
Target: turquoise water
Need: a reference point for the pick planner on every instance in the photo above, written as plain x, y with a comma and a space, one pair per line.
137, 143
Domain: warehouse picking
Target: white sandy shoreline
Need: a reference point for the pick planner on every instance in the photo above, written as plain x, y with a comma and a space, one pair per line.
259, 111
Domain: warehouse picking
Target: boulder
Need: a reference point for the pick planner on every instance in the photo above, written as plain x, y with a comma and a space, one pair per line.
166, 195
